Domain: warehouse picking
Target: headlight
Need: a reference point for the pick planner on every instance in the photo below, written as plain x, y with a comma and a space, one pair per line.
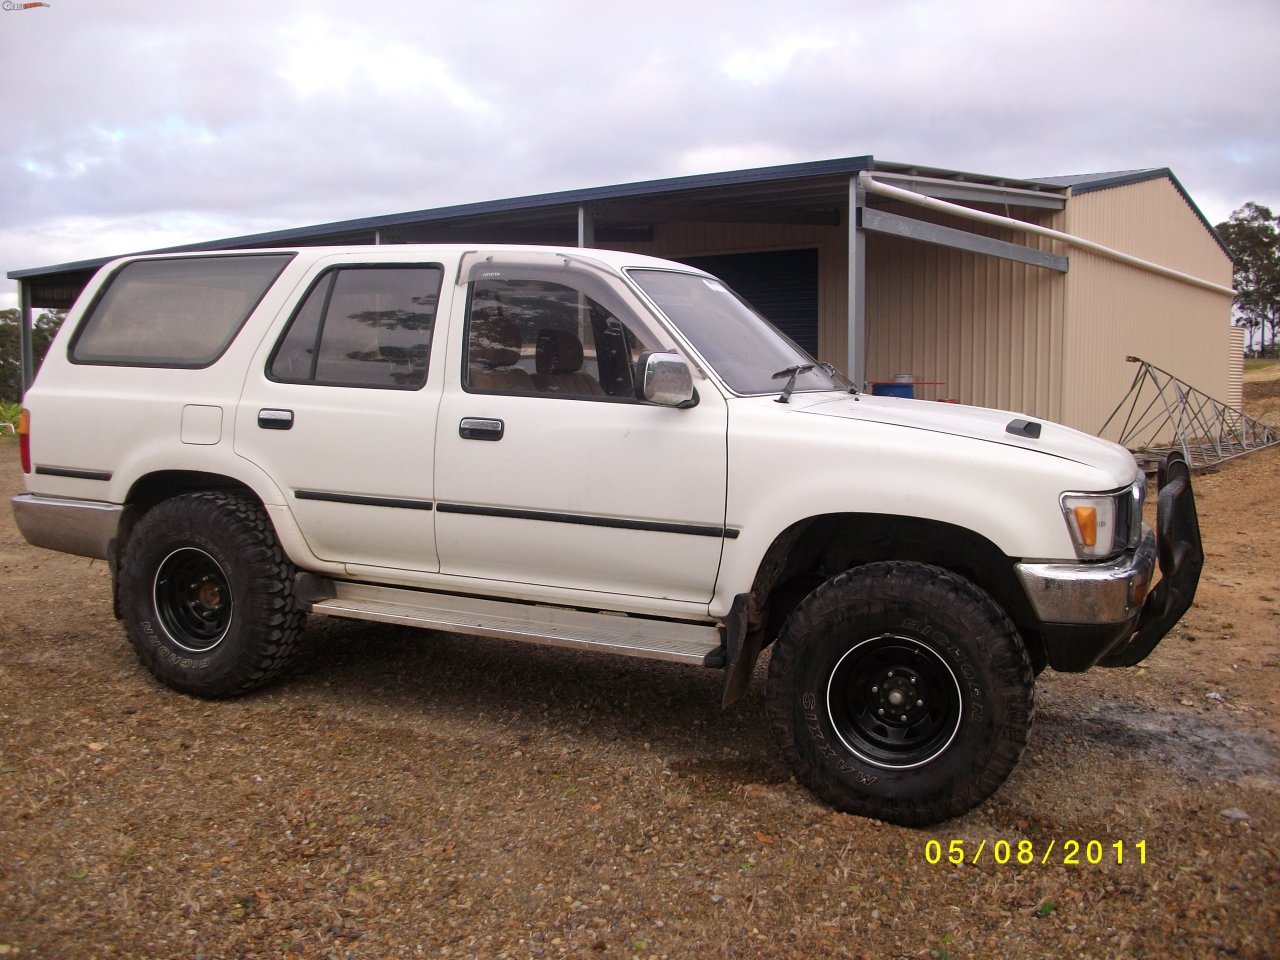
1103, 524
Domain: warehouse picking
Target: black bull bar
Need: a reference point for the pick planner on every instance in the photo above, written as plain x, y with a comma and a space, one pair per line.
1181, 558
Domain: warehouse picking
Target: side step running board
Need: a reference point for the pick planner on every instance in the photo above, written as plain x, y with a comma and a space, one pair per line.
693, 643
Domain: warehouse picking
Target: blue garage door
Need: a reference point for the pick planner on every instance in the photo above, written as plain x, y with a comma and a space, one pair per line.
782, 285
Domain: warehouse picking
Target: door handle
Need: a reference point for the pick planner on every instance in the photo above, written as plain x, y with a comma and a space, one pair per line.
481, 428
275, 419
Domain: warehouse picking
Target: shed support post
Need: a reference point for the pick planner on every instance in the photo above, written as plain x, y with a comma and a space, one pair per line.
27, 352
856, 363
586, 227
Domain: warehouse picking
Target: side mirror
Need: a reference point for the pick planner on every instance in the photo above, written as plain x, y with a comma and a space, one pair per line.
664, 379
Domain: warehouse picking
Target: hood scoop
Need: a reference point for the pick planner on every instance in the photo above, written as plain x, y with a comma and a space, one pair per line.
1024, 428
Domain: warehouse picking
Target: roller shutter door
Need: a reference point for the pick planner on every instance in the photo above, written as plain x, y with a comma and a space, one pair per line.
782, 285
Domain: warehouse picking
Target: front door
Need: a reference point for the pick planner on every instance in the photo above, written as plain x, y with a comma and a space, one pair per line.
549, 471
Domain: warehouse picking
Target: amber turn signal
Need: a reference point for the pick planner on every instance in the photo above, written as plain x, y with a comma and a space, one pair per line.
24, 439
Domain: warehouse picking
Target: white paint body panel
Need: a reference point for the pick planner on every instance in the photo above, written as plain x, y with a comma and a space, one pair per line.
745, 464
829, 453
587, 460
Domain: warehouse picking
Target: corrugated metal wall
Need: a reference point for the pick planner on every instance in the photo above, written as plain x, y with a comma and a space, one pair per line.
1010, 335
1235, 368
991, 328
1114, 310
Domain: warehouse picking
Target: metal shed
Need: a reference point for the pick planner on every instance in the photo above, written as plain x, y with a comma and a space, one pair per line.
1022, 294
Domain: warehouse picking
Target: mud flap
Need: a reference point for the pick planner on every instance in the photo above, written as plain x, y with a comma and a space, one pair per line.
1181, 559
742, 647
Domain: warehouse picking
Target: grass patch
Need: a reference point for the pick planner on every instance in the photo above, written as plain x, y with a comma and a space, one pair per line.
1256, 364
9, 415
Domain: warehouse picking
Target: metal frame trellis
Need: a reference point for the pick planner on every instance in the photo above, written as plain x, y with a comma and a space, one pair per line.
1207, 431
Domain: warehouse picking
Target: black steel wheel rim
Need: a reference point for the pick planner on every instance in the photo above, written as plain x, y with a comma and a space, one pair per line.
193, 599
894, 701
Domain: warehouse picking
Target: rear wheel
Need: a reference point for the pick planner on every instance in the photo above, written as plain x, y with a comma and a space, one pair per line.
900, 691
207, 595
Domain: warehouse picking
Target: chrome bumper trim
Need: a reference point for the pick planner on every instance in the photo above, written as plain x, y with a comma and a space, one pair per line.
86, 528
1101, 593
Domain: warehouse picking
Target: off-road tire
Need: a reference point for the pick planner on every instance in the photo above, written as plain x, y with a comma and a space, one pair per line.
207, 595
900, 691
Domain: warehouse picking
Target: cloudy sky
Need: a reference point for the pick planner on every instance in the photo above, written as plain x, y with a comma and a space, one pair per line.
135, 124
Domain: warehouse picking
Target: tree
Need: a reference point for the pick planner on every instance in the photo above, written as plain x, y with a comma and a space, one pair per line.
1253, 235
42, 330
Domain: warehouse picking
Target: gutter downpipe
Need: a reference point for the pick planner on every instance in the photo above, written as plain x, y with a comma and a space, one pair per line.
870, 185
856, 346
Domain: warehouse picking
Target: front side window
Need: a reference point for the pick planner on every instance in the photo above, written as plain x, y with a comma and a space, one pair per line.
177, 312
551, 338
362, 326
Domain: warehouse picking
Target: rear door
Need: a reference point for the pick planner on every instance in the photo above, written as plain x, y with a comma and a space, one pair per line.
340, 409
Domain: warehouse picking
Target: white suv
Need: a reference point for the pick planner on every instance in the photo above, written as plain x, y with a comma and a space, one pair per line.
589, 449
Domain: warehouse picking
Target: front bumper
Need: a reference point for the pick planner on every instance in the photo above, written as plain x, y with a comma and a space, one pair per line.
1105, 613
1091, 593
86, 528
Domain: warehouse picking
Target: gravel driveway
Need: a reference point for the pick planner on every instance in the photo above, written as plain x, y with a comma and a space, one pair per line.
412, 794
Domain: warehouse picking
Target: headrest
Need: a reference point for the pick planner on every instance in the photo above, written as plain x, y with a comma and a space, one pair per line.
495, 341
558, 351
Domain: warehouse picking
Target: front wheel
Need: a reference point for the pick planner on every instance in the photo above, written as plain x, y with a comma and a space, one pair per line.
900, 691
207, 595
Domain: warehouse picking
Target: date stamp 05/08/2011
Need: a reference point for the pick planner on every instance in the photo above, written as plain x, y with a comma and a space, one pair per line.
1066, 853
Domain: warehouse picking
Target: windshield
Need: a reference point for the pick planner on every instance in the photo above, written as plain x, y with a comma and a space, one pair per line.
751, 356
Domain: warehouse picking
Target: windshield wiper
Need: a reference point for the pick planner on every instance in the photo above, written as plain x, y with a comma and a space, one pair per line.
793, 373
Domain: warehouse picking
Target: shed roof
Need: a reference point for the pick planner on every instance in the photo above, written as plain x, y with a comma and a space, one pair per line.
772, 185
814, 193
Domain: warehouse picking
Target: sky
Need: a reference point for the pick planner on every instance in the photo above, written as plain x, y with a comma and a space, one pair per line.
129, 125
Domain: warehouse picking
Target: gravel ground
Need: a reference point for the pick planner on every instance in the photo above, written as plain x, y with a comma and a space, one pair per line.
410, 794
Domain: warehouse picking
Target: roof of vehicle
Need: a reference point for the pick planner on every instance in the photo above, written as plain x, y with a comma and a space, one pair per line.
416, 251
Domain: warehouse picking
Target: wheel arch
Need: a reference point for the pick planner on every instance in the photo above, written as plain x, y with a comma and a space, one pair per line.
150, 489
823, 546
817, 548
157, 486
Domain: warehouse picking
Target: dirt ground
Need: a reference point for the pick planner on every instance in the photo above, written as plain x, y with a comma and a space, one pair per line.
410, 794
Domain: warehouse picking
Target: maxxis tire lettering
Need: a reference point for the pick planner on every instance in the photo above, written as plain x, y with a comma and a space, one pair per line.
810, 704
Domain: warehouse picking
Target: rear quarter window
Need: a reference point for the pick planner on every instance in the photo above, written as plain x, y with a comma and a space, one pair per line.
179, 312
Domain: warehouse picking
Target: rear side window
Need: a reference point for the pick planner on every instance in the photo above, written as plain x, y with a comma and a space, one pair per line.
362, 326
181, 312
